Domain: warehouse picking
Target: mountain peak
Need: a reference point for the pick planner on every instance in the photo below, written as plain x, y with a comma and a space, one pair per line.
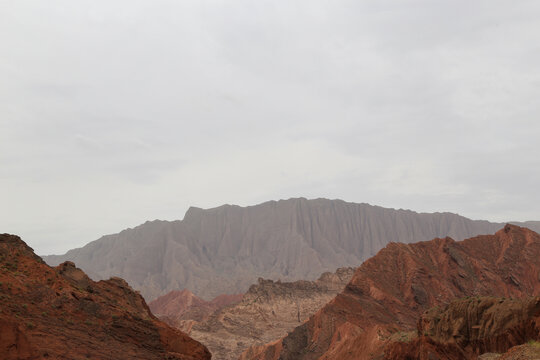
60, 312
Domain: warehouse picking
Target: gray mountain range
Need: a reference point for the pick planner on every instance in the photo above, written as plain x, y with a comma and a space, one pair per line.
225, 249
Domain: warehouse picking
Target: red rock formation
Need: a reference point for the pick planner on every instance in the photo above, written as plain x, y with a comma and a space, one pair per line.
61, 313
177, 306
388, 293
471, 326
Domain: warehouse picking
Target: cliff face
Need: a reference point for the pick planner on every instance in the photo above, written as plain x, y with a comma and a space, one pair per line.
267, 312
390, 291
225, 250
468, 327
61, 313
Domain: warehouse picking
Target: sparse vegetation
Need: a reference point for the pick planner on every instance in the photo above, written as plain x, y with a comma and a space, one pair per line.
10, 266
403, 336
534, 343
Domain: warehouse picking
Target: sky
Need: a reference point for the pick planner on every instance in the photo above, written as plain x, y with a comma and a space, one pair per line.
117, 112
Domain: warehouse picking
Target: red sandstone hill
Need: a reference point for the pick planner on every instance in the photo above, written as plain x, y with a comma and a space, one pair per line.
60, 313
184, 305
389, 292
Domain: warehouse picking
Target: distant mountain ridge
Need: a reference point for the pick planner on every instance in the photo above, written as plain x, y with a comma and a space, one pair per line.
225, 249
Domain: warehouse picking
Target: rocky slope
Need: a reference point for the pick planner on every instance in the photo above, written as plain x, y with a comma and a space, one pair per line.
178, 307
225, 250
390, 291
468, 327
267, 312
60, 313
528, 351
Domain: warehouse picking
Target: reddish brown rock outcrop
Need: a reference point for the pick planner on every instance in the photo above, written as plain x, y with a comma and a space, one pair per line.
178, 307
390, 291
469, 327
59, 313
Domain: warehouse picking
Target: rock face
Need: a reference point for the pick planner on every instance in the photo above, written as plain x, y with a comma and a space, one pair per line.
267, 312
179, 307
225, 250
468, 327
528, 351
60, 313
388, 293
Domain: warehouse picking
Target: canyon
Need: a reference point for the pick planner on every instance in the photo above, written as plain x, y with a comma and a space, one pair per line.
432, 300
250, 291
266, 312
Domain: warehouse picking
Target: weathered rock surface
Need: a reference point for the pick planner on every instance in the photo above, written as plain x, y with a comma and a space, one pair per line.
267, 312
225, 250
390, 291
60, 313
469, 327
179, 307
528, 351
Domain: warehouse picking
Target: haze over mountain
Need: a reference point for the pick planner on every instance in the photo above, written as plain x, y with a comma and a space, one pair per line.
225, 249
122, 111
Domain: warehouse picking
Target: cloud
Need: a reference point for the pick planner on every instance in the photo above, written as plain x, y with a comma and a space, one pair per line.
113, 113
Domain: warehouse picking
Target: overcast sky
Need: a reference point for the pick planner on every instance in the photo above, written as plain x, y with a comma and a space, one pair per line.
120, 111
